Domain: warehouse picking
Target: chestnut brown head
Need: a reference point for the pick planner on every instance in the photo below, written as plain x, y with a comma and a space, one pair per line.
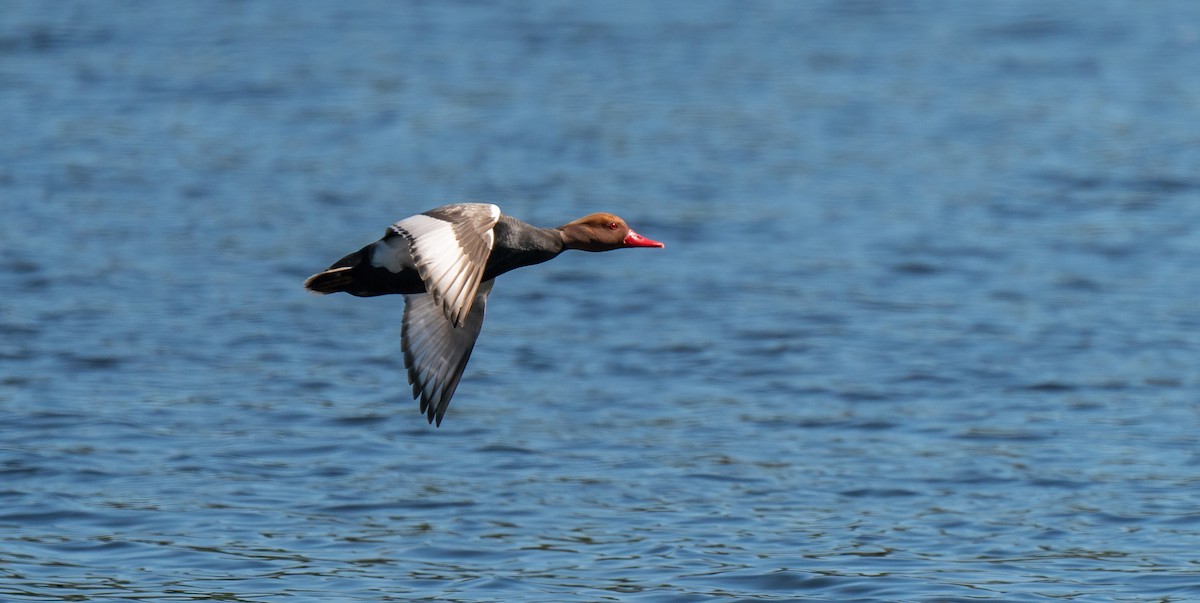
602, 232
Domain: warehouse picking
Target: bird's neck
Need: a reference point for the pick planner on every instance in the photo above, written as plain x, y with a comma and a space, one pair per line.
518, 244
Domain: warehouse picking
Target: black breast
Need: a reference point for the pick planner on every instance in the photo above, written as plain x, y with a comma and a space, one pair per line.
519, 244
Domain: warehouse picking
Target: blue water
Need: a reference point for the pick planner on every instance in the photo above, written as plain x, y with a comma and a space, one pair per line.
925, 328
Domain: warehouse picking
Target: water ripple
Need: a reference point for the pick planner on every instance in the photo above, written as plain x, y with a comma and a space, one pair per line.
922, 329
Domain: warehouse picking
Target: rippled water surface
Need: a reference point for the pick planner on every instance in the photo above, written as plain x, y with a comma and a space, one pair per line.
925, 327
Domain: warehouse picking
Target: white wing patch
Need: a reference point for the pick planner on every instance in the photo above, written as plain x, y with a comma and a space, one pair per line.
449, 247
435, 351
392, 254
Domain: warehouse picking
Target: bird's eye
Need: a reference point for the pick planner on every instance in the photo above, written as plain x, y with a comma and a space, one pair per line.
613, 226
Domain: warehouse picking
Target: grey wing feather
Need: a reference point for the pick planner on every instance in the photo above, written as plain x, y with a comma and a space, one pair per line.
450, 246
436, 351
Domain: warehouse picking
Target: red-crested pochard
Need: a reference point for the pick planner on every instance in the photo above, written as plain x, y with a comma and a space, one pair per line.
443, 262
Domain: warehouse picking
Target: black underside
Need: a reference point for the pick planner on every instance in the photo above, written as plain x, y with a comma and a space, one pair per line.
368, 281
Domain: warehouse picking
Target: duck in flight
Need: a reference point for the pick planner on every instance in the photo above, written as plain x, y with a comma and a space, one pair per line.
444, 262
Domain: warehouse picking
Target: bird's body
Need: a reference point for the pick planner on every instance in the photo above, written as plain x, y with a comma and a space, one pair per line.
444, 261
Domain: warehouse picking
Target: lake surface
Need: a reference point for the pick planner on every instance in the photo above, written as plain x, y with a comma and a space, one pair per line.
925, 328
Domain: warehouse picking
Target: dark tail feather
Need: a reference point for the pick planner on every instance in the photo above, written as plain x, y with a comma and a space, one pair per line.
354, 274
336, 278
330, 281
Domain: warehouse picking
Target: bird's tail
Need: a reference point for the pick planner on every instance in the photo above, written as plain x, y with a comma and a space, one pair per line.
332, 280
338, 277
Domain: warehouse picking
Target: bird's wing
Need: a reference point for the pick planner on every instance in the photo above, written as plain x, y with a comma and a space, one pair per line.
450, 246
435, 351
